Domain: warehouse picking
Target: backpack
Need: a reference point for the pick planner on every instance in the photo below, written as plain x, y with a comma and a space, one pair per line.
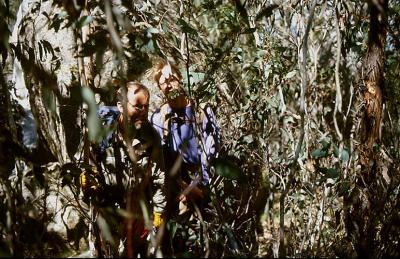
108, 115
199, 116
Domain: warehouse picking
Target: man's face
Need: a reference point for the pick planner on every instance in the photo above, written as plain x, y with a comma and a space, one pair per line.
137, 107
169, 83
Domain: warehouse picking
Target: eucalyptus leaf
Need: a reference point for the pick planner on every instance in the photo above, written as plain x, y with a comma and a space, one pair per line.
228, 169
232, 240
329, 173
95, 130
344, 155
196, 77
319, 153
105, 229
326, 143
336, 151
291, 74
150, 31
343, 188
185, 27
49, 99
248, 139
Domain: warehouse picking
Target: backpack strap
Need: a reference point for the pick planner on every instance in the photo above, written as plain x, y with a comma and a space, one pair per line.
165, 117
200, 113
108, 115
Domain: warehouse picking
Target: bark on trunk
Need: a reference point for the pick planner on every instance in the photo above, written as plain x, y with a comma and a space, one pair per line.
363, 204
373, 74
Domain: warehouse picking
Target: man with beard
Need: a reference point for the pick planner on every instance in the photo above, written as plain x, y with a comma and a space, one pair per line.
128, 183
190, 140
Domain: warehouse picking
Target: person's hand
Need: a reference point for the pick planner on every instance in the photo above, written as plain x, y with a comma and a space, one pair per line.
157, 222
138, 230
144, 233
196, 193
190, 191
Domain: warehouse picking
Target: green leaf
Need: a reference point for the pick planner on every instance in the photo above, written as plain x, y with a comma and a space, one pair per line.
249, 30
319, 153
57, 21
228, 169
326, 144
335, 150
49, 99
95, 130
197, 3
267, 11
125, 214
172, 227
197, 77
329, 173
185, 27
343, 188
150, 31
324, 151
105, 229
344, 155
84, 20
290, 74
248, 139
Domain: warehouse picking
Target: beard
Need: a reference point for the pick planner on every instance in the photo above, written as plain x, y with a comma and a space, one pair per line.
138, 124
174, 94
133, 126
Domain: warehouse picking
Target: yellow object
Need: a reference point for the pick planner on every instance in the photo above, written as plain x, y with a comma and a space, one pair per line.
82, 180
88, 180
157, 219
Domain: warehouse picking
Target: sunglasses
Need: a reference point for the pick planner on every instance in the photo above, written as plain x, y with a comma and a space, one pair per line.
169, 79
140, 107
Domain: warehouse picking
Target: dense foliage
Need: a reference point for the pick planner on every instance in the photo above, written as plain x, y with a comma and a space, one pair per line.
287, 80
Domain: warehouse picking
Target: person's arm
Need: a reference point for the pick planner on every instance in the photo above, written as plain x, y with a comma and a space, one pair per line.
157, 122
211, 142
158, 176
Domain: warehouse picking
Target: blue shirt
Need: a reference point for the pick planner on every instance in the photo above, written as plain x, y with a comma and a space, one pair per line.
177, 129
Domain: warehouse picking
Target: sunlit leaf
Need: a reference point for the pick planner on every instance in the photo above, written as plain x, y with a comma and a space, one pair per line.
291, 74
248, 139
319, 153
344, 155
150, 31
196, 77
95, 131
84, 20
197, 3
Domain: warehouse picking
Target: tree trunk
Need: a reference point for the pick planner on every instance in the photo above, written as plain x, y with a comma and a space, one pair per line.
363, 205
373, 73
